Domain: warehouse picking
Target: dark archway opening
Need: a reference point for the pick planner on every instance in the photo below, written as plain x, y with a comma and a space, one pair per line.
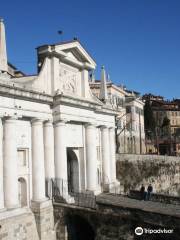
79, 228
73, 171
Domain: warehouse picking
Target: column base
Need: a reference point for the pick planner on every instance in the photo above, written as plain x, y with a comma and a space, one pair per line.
96, 191
41, 202
106, 187
3, 210
44, 217
115, 187
13, 207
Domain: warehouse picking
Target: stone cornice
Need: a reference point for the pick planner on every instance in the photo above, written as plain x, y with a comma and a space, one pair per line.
34, 96
24, 94
78, 101
83, 103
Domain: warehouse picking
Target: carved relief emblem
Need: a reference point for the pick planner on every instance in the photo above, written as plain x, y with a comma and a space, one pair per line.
68, 81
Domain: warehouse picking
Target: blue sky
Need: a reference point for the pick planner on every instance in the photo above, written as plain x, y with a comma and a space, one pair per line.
138, 41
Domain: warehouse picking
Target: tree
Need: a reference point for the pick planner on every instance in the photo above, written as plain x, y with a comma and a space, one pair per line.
166, 122
165, 127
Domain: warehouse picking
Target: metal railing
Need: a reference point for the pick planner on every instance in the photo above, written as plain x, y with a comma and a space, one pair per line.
61, 191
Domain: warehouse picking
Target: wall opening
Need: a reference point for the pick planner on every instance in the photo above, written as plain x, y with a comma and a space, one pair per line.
73, 171
22, 192
79, 228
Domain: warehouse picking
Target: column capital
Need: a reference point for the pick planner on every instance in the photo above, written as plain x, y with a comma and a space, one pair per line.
90, 124
112, 128
48, 123
61, 122
103, 127
10, 118
37, 121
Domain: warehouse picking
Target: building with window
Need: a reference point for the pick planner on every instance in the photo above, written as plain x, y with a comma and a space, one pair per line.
167, 119
130, 136
51, 128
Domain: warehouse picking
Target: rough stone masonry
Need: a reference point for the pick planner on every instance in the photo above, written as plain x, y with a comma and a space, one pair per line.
163, 172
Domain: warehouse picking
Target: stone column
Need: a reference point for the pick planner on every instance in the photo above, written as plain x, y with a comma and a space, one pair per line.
105, 154
49, 150
38, 170
112, 153
91, 157
49, 156
10, 164
60, 153
1, 167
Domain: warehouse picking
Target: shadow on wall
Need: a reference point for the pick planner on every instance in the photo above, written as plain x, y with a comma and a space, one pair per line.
162, 173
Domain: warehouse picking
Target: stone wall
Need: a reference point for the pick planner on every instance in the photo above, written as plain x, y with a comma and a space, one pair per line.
15, 225
116, 218
43, 213
24, 224
163, 172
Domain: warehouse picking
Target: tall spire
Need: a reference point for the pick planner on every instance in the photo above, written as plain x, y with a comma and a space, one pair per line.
103, 87
3, 53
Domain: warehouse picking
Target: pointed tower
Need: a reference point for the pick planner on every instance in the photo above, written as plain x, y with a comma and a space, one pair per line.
103, 87
108, 78
3, 54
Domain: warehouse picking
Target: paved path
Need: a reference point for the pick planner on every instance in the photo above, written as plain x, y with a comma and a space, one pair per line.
148, 206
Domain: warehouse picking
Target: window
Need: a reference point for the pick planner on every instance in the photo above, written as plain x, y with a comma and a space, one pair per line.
22, 161
128, 109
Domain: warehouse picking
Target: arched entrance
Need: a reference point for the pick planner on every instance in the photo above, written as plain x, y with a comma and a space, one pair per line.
78, 228
22, 192
73, 171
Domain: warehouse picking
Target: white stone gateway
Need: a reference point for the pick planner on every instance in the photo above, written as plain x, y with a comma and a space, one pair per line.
51, 126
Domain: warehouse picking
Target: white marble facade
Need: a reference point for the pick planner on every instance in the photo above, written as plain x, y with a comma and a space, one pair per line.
51, 126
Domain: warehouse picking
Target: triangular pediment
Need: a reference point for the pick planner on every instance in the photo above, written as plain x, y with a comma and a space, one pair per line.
74, 50
75, 54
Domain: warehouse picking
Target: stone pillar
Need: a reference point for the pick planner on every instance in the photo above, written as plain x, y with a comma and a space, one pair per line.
1, 167
105, 154
10, 164
49, 150
41, 207
91, 157
112, 153
60, 153
49, 156
38, 171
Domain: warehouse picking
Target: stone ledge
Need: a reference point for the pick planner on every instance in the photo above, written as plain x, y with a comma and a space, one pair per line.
41, 205
146, 206
13, 213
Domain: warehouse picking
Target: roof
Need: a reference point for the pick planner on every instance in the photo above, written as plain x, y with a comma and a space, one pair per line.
66, 42
58, 43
